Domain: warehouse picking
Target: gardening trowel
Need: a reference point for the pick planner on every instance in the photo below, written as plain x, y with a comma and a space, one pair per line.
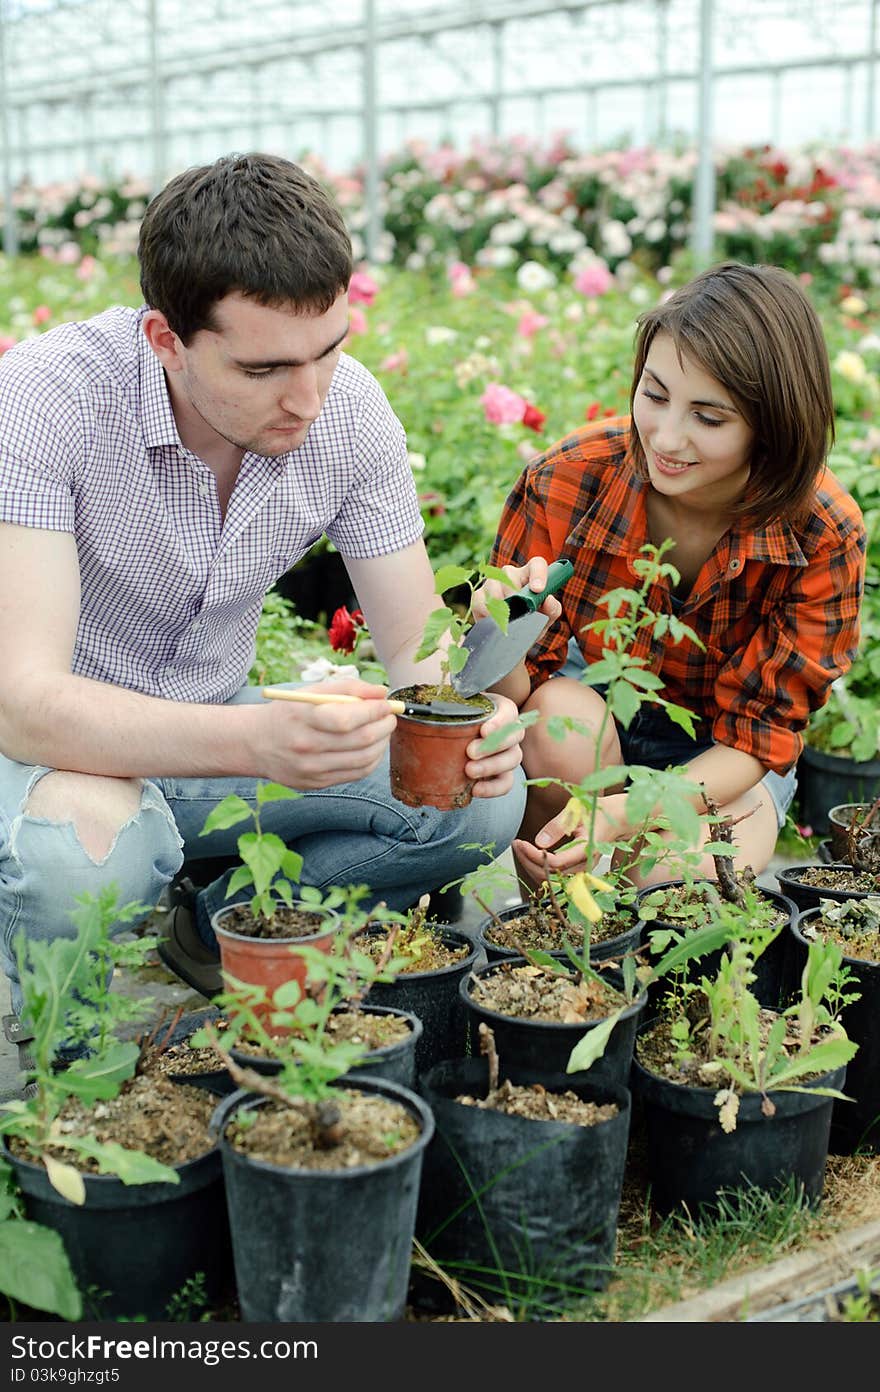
491, 653
454, 709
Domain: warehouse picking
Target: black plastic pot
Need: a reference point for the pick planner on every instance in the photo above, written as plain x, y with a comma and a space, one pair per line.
771, 969
323, 1245
855, 1125
215, 1080
690, 1158
807, 896
626, 941
535, 1200
543, 1046
840, 820
136, 1245
825, 780
396, 1062
433, 997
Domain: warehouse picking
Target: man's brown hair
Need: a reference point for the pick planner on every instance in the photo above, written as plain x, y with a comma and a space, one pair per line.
254, 223
753, 329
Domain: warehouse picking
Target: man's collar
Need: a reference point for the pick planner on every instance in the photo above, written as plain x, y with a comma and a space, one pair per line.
157, 417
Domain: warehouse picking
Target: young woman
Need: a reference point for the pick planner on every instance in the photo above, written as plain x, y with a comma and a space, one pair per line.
724, 454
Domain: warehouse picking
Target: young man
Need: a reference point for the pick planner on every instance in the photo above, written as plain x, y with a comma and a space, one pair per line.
159, 469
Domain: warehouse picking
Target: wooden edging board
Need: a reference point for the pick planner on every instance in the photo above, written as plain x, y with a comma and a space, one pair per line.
791, 1277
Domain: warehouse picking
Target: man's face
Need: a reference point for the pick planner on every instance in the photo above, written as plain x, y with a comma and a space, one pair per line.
259, 379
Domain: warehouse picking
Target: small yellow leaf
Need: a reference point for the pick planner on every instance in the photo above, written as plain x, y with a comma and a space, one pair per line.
727, 1102
572, 816
595, 882
68, 1181
582, 899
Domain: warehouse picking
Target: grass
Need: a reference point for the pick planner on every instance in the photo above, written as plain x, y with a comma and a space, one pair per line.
662, 1260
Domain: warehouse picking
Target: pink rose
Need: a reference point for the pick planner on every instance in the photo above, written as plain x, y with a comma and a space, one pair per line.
42, 313
594, 279
501, 405
530, 323
357, 321
362, 289
395, 362
6, 342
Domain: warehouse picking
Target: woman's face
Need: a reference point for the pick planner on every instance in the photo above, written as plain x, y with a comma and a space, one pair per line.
697, 443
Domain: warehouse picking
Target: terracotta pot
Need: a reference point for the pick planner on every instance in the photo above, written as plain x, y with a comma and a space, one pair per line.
428, 758
268, 962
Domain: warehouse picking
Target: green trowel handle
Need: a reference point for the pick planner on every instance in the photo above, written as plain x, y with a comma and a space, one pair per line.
530, 600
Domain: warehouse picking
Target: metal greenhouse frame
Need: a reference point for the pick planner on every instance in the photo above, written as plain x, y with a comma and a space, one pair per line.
150, 86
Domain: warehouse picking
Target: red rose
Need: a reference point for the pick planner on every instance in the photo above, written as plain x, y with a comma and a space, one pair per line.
593, 410
533, 418
343, 629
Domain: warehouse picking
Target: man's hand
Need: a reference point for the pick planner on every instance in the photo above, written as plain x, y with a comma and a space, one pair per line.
493, 774
317, 746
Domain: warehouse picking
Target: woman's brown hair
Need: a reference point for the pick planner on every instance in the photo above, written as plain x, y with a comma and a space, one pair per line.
753, 329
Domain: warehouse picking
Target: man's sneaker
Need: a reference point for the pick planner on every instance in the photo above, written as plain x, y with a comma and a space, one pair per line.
18, 1034
184, 953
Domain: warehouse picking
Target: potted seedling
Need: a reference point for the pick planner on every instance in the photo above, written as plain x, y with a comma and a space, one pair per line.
98, 1151
552, 924
428, 751
854, 925
855, 834
734, 1093
260, 936
383, 1039
434, 958
677, 907
322, 1164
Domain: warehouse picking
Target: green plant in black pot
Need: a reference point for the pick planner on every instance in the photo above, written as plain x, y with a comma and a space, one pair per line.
733, 1092
135, 1224
322, 1164
68, 1007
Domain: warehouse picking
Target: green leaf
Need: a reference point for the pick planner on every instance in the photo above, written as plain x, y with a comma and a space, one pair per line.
457, 659
240, 879
232, 810
264, 855
92, 1079
819, 1058
593, 1044
274, 792
291, 865
287, 995
448, 577
131, 1166
624, 702
438, 623
35, 1269
681, 717
697, 944
499, 610
493, 742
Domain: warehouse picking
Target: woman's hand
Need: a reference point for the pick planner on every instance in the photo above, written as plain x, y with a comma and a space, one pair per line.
531, 576
610, 826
